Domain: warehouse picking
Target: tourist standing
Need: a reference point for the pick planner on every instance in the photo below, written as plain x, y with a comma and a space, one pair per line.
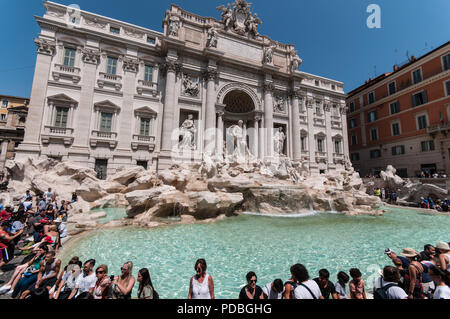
443, 250
306, 289
273, 290
413, 278
123, 284
340, 286
201, 285
251, 290
103, 283
146, 289
442, 279
326, 286
357, 287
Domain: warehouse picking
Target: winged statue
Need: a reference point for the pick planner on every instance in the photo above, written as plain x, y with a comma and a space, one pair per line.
227, 15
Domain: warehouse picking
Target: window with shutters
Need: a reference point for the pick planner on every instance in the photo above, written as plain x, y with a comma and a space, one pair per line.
61, 115
417, 76
446, 62
145, 127
419, 98
69, 57
394, 107
106, 121
398, 150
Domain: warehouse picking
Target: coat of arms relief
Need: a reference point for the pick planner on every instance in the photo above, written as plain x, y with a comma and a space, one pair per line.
239, 18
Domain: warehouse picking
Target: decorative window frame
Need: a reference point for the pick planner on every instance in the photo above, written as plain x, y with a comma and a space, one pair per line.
421, 75
395, 85
106, 107
370, 133
399, 122
416, 117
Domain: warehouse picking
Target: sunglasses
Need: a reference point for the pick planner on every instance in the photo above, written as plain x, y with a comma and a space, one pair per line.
100, 272
253, 281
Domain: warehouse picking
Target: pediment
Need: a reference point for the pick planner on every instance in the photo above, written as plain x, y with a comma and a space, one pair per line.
145, 110
62, 98
107, 104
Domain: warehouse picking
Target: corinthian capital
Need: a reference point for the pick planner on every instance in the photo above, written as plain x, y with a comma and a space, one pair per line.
171, 66
296, 94
210, 74
45, 47
90, 56
309, 102
130, 65
268, 87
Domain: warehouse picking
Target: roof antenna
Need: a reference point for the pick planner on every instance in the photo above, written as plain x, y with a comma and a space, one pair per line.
374, 71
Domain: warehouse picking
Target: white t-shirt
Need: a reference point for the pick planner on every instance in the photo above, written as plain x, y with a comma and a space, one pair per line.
341, 290
302, 293
442, 292
62, 230
270, 293
395, 292
84, 283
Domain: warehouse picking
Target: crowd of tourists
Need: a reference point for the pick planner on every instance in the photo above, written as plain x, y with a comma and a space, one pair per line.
386, 194
37, 231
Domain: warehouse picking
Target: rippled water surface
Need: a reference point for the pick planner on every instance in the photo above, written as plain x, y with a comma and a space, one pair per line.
266, 245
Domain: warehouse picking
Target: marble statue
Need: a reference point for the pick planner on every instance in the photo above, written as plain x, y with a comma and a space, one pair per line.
174, 25
296, 61
268, 53
279, 138
252, 24
227, 15
212, 38
280, 105
189, 87
239, 141
187, 131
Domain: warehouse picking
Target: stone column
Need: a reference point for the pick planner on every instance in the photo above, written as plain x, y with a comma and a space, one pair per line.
311, 139
171, 67
296, 127
4, 151
210, 113
91, 58
31, 141
219, 140
261, 143
330, 144
345, 148
268, 118
256, 136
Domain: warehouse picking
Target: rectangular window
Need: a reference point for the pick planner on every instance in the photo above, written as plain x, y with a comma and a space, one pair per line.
374, 134
3, 117
114, 30
69, 57
151, 40
395, 129
303, 143
300, 105
320, 146
427, 146
111, 66
446, 61
354, 140
392, 88
61, 116
142, 163
352, 123
337, 147
105, 122
371, 97
145, 127
375, 153
148, 75
333, 87
5, 103
395, 107
316, 83
352, 107
354, 157
447, 87
372, 116
398, 150
417, 76
422, 122
419, 98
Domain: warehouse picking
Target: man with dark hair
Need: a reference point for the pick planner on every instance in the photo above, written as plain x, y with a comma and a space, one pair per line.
327, 288
306, 289
428, 252
251, 290
273, 290
84, 286
386, 286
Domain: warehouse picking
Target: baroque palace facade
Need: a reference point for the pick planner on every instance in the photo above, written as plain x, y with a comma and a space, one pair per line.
108, 94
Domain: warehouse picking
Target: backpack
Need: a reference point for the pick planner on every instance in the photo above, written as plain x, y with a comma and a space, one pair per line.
381, 293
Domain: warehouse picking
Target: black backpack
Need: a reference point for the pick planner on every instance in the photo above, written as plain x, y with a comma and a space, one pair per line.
381, 293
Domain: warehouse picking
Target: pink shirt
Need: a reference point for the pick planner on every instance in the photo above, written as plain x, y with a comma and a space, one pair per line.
357, 289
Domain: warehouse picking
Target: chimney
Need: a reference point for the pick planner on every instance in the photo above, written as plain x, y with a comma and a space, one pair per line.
395, 67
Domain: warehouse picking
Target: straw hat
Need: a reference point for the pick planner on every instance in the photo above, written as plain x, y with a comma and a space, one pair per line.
409, 252
442, 246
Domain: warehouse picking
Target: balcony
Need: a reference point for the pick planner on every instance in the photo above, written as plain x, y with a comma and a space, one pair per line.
303, 119
438, 128
336, 124
338, 158
147, 87
66, 72
103, 138
319, 122
321, 157
146, 141
54, 133
110, 80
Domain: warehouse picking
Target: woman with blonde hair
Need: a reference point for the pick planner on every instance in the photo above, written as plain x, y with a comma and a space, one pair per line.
123, 284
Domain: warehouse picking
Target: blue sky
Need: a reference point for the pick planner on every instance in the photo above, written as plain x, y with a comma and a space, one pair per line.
331, 35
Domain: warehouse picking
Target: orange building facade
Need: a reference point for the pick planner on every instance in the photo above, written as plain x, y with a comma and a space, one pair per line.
402, 118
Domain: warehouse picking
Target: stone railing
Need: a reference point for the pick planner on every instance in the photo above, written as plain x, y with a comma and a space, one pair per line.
106, 79
441, 127
55, 133
67, 72
146, 86
146, 141
103, 137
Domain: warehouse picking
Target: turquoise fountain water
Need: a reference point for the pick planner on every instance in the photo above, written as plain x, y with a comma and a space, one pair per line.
266, 245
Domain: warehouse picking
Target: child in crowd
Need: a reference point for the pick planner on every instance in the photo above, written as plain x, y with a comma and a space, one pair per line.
357, 287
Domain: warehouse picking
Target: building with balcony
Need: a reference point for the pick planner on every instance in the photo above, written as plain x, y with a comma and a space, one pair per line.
107, 93
402, 118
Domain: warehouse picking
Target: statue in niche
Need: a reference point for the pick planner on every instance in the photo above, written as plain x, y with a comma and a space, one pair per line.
296, 61
239, 141
187, 131
227, 15
190, 87
212, 38
279, 138
252, 24
268, 53
174, 25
